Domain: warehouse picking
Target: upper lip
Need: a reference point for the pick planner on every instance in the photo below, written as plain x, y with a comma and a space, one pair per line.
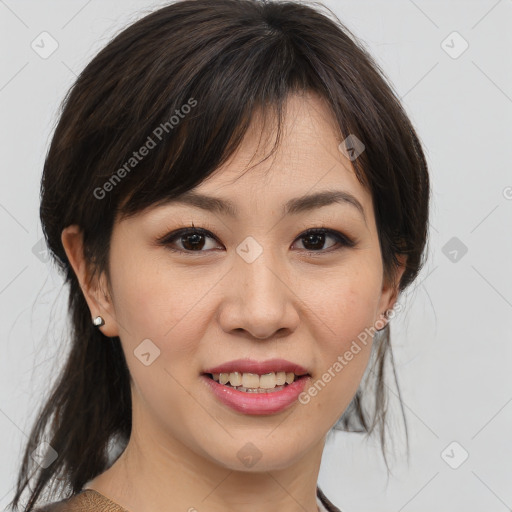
259, 367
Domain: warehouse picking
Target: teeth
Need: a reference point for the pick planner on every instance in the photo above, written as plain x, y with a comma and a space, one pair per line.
249, 380
235, 379
254, 381
280, 378
267, 381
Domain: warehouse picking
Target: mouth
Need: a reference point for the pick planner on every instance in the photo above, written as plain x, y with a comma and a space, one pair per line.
254, 383
257, 387
255, 394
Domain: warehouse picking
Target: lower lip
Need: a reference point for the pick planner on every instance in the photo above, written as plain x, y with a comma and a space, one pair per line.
257, 403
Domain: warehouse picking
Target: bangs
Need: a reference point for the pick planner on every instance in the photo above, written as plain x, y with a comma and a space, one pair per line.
170, 99
182, 108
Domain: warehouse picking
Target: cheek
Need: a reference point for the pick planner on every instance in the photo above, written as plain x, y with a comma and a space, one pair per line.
153, 299
345, 313
166, 305
164, 308
342, 354
346, 303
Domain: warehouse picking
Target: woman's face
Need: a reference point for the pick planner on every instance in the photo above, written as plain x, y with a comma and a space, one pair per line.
251, 286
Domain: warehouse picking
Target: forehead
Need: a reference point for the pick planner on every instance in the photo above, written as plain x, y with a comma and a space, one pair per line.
306, 171
307, 161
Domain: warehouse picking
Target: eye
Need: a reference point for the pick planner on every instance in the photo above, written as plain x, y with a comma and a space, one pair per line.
191, 240
194, 239
314, 238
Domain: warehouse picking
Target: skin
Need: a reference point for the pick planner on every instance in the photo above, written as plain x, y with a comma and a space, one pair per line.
205, 308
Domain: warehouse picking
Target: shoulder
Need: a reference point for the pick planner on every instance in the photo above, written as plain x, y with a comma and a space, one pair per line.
89, 500
56, 506
86, 500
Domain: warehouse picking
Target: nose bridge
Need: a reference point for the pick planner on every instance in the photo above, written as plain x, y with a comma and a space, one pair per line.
261, 302
257, 268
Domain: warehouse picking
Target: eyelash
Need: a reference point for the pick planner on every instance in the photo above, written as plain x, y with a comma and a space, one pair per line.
343, 240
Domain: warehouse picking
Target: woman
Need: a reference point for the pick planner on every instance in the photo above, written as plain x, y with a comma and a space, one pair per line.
236, 199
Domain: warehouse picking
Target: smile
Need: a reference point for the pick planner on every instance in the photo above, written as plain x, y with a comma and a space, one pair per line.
253, 399
252, 382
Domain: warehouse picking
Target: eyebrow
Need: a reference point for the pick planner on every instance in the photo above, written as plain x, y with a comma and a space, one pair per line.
292, 207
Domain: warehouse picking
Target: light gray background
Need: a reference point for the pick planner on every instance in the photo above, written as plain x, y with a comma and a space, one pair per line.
453, 345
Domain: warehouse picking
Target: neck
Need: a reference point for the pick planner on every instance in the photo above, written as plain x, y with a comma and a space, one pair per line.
150, 475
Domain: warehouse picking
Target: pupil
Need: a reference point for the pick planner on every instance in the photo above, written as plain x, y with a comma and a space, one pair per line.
313, 237
194, 243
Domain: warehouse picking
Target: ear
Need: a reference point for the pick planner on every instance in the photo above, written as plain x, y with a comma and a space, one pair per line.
390, 291
95, 290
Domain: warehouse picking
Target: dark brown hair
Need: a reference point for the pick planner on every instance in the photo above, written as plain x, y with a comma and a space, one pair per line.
224, 59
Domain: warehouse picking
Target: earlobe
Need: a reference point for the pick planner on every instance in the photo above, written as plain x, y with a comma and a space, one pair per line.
98, 301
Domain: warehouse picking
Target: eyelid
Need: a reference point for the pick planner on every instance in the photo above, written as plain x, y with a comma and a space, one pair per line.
169, 238
205, 229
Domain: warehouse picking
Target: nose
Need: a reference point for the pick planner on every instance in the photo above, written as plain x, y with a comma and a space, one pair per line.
259, 300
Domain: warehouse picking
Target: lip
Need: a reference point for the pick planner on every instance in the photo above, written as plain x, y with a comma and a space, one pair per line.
257, 403
252, 366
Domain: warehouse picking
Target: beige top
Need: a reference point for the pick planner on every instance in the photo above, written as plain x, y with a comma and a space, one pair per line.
89, 500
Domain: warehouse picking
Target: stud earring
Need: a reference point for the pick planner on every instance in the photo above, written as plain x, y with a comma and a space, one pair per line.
98, 321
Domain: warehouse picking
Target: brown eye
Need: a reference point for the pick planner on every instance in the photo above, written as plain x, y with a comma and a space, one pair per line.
190, 240
193, 241
314, 239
